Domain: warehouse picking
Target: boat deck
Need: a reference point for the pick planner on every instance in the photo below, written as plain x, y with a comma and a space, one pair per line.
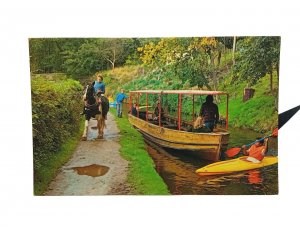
171, 122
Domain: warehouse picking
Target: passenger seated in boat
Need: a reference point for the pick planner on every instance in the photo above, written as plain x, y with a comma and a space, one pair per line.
199, 126
156, 112
133, 110
257, 151
210, 112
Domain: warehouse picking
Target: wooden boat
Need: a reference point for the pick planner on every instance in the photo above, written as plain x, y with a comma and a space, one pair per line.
173, 132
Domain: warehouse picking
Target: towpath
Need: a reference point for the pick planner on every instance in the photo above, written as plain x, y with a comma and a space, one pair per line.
96, 167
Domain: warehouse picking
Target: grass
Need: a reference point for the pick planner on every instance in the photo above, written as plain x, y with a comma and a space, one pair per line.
258, 113
142, 175
48, 170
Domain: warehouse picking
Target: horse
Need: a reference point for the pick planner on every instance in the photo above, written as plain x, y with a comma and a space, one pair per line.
96, 106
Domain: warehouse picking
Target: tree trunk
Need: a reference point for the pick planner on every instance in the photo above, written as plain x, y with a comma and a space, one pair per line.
114, 58
277, 69
271, 81
233, 49
219, 57
212, 58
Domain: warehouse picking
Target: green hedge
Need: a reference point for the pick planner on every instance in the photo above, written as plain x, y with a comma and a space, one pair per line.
55, 114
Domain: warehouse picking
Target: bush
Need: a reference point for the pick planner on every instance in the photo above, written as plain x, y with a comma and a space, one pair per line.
55, 114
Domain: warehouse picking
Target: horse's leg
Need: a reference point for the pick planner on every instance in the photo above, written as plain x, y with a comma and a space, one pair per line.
100, 133
102, 125
85, 131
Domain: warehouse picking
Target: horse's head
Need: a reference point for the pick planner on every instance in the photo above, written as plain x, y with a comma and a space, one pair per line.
89, 91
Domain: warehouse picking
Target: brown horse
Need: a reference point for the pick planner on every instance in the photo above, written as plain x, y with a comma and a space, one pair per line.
96, 107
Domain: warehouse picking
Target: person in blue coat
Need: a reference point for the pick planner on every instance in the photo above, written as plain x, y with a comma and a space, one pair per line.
99, 84
99, 88
119, 99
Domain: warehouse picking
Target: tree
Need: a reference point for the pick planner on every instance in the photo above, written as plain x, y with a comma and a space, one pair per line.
191, 59
257, 57
78, 57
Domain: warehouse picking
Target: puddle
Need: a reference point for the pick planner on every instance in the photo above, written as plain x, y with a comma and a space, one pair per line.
92, 170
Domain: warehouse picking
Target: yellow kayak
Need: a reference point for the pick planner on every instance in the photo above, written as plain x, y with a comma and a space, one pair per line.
234, 165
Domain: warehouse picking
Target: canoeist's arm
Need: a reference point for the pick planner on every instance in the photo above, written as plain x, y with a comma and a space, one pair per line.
244, 150
266, 146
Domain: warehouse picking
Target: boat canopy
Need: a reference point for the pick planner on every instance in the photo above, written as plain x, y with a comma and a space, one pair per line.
182, 92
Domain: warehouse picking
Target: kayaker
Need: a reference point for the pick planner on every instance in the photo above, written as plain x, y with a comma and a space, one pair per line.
256, 152
210, 112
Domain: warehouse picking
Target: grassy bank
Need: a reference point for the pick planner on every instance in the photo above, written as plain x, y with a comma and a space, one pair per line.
142, 174
259, 113
48, 169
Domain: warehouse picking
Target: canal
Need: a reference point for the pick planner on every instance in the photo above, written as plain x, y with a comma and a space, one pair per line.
177, 169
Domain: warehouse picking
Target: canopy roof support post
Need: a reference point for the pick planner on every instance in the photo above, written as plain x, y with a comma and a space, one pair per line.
179, 111
138, 104
159, 110
193, 108
130, 103
227, 101
147, 107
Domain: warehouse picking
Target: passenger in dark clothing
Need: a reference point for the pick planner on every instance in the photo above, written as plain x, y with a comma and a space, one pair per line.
134, 110
210, 112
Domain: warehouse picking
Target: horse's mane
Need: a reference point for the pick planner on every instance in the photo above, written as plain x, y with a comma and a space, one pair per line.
90, 98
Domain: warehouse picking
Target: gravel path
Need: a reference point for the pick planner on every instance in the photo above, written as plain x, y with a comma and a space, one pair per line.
96, 167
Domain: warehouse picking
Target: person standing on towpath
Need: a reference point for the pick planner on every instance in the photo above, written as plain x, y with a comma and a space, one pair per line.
119, 99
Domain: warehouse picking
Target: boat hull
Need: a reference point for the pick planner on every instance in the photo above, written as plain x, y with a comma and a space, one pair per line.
234, 165
207, 145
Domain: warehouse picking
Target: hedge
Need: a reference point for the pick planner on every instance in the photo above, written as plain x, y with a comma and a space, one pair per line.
55, 114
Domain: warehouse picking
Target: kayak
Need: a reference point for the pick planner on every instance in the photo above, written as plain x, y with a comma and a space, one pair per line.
234, 165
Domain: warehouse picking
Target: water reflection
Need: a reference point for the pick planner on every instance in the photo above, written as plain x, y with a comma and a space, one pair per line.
178, 171
93, 170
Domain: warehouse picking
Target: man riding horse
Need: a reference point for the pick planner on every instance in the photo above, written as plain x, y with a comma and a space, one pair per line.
96, 106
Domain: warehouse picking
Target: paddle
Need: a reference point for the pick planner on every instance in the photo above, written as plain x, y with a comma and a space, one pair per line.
235, 150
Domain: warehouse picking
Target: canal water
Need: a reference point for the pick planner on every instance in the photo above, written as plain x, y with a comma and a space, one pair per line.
177, 169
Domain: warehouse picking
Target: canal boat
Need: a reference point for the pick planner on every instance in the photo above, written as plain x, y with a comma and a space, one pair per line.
172, 131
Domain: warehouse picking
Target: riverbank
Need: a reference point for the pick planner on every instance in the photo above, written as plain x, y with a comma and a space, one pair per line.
142, 175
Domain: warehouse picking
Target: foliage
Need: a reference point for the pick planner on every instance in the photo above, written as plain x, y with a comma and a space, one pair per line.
257, 56
55, 114
48, 55
79, 57
190, 59
258, 113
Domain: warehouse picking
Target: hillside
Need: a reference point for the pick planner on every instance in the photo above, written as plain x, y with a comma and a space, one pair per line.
258, 113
